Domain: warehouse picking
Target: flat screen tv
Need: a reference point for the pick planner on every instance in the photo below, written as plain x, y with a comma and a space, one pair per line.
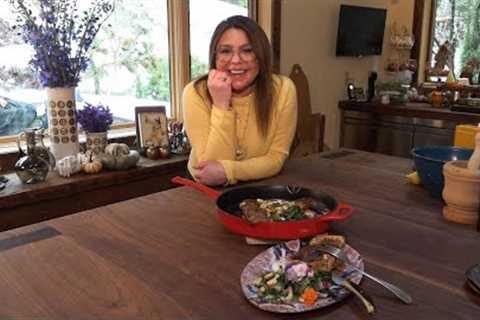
360, 31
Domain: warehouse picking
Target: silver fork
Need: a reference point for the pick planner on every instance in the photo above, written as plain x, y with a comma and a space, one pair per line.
339, 254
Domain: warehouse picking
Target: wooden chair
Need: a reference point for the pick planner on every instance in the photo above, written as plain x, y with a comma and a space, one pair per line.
310, 127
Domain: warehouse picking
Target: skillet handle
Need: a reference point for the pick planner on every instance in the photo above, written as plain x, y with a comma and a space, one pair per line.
342, 212
212, 193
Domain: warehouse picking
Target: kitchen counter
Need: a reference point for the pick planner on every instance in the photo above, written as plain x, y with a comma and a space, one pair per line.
165, 255
412, 110
396, 129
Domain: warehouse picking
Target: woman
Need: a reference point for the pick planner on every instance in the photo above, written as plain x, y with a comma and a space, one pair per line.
240, 118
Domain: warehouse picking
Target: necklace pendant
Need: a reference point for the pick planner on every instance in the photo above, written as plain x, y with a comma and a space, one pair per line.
239, 153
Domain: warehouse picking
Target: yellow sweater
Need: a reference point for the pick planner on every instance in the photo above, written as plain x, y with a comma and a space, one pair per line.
217, 134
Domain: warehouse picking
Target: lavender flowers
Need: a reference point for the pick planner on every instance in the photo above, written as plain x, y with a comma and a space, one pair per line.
94, 118
60, 36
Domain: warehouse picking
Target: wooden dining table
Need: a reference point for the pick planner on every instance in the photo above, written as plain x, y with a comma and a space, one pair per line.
165, 255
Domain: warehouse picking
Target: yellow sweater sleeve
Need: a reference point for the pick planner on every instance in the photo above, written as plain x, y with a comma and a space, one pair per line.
284, 126
211, 130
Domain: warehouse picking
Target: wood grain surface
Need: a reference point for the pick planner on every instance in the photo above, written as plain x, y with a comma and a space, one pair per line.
165, 256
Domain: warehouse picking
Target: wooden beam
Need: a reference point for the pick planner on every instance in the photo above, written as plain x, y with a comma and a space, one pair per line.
276, 33
417, 29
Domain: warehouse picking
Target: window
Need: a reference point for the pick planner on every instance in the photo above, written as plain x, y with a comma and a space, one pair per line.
455, 33
201, 29
132, 59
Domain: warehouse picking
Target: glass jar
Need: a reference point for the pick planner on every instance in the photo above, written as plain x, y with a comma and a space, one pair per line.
437, 99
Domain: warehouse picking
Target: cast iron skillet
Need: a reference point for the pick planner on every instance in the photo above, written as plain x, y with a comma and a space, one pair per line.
229, 213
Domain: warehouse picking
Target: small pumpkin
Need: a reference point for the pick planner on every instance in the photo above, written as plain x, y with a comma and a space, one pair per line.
92, 165
152, 152
164, 152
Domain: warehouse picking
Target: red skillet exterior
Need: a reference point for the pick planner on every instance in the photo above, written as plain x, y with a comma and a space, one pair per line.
283, 230
270, 230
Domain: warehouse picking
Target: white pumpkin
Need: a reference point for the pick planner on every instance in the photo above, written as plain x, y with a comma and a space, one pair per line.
120, 162
117, 149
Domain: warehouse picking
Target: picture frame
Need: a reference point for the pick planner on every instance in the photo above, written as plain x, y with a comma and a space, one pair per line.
152, 127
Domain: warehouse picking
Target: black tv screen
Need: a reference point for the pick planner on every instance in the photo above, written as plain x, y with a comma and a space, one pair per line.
360, 31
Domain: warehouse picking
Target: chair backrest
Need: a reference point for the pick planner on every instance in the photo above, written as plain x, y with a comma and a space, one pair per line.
310, 127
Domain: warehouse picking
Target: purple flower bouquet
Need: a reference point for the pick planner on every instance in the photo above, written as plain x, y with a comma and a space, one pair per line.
94, 118
60, 35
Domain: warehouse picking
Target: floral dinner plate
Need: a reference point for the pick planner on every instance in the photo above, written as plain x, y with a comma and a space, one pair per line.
280, 253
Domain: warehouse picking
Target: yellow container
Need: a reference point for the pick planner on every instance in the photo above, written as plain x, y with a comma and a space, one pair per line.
465, 135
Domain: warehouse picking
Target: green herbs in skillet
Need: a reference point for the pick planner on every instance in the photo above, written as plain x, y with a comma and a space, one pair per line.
258, 210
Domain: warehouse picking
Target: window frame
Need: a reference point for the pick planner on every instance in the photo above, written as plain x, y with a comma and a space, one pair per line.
422, 35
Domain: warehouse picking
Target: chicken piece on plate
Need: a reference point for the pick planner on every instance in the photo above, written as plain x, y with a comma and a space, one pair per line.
326, 263
319, 260
336, 241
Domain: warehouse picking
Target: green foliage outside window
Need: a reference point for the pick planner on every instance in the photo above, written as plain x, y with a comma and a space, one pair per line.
157, 84
471, 46
198, 67
242, 3
458, 22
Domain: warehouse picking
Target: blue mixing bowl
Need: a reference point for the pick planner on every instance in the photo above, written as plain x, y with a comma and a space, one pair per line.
429, 163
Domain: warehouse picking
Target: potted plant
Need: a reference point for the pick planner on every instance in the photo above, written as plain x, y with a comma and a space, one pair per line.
61, 35
95, 120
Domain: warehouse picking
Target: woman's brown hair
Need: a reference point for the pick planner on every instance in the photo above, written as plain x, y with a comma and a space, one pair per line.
261, 47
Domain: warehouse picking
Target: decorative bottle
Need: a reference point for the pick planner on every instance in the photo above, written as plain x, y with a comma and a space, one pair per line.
34, 165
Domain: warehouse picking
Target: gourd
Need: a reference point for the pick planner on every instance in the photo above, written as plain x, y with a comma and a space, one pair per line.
92, 165
108, 161
117, 156
152, 152
128, 161
117, 149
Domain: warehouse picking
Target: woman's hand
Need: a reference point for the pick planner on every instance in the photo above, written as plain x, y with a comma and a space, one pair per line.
210, 173
219, 85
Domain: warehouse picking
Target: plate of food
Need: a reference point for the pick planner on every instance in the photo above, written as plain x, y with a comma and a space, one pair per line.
278, 212
280, 280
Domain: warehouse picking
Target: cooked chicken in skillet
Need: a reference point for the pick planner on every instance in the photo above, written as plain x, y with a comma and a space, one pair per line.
258, 210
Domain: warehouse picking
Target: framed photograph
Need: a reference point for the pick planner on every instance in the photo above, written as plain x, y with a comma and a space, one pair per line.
152, 127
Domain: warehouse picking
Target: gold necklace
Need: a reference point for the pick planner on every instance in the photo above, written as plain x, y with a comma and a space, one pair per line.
239, 151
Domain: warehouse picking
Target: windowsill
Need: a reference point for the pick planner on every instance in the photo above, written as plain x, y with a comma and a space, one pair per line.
23, 204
